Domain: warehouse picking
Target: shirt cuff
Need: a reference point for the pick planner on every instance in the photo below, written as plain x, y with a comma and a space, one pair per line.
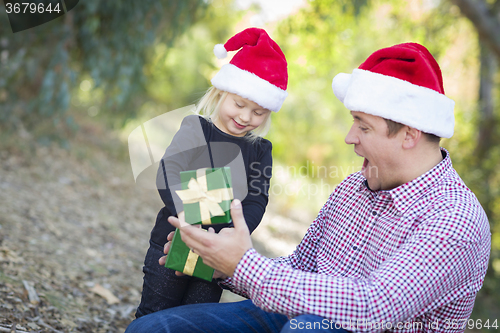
250, 272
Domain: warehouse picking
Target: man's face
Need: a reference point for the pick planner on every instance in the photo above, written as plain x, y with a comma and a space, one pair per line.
381, 166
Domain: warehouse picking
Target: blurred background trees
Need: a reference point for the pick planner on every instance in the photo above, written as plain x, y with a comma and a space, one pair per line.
481, 166
124, 62
102, 46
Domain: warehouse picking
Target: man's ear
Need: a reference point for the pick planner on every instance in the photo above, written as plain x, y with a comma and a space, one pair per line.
411, 137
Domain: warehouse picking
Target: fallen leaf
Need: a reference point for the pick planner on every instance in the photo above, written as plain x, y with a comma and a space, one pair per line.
9, 255
68, 323
32, 295
33, 326
105, 293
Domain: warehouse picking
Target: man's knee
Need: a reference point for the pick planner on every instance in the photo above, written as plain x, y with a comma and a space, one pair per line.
154, 322
134, 327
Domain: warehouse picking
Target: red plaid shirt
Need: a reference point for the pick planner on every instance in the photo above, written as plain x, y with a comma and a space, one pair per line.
408, 260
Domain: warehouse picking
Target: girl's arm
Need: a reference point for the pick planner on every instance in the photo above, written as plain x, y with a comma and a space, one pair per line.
260, 172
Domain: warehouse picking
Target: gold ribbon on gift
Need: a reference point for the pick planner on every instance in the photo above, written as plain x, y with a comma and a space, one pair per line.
209, 200
190, 263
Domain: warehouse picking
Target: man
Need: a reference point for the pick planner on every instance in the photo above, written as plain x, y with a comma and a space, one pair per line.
401, 246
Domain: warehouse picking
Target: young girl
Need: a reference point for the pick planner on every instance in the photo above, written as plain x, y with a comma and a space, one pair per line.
232, 117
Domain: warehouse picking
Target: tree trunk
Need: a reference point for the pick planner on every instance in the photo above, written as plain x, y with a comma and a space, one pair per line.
485, 20
486, 102
487, 138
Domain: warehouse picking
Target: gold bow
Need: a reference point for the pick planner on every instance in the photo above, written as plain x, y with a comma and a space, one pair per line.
209, 200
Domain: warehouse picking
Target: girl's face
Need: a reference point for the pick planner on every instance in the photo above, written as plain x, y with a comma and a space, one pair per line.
238, 115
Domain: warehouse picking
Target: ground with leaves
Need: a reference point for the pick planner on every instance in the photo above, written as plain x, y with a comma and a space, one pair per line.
74, 229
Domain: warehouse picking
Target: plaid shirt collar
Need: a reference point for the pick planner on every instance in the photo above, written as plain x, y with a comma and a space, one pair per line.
404, 196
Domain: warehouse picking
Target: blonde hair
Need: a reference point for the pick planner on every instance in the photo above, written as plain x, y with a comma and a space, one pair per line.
209, 106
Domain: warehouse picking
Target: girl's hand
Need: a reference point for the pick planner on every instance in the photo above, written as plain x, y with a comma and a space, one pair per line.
166, 248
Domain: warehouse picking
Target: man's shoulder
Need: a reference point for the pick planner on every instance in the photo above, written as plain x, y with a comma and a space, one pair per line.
452, 188
456, 206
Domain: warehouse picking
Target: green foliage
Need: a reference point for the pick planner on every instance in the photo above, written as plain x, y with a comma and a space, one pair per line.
106, 41
329, 37
180, 74
479, 169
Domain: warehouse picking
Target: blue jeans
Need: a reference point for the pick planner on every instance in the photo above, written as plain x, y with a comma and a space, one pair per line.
238, 317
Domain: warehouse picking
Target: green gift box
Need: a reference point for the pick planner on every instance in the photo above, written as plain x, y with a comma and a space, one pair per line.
206, 195
182, 259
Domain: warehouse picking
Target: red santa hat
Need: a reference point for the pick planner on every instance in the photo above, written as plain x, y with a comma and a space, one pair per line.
402, 83
257, 72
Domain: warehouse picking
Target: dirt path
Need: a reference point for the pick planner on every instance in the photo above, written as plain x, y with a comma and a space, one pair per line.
74, 229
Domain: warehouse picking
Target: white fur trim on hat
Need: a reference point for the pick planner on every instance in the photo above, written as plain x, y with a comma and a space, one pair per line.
398, 100
248, 85
219, 51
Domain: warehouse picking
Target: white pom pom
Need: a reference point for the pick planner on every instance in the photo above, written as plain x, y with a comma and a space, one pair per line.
340, 84
219, 51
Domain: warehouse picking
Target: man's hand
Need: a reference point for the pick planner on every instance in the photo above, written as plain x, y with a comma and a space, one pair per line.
166, 248
221, 251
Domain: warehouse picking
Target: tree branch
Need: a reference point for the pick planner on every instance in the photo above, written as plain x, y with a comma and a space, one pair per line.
486, 24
